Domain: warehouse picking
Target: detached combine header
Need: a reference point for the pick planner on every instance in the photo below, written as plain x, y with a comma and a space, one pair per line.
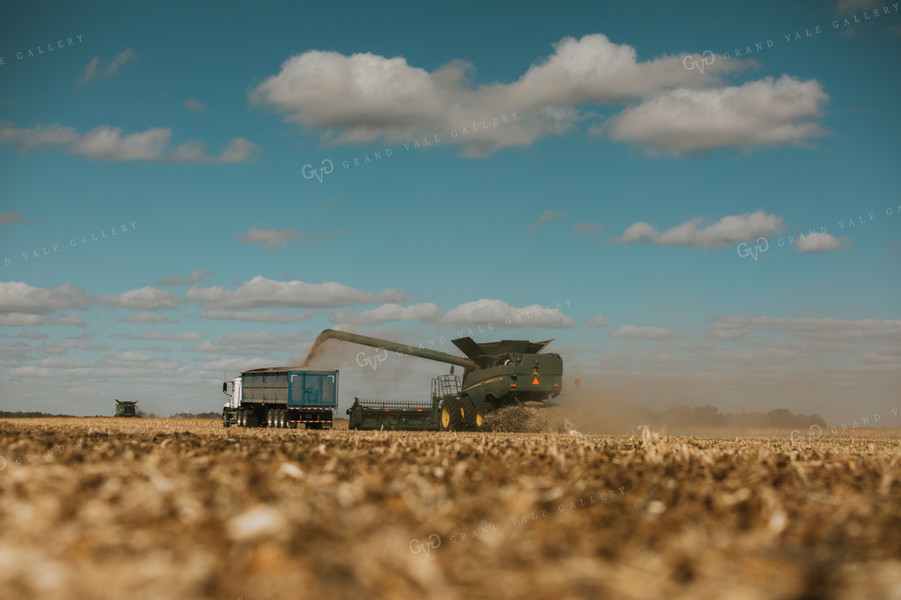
495, 375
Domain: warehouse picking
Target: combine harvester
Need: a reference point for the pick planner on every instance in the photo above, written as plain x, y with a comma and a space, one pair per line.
495, 375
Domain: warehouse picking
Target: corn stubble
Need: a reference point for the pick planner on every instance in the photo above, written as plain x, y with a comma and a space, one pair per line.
154, 508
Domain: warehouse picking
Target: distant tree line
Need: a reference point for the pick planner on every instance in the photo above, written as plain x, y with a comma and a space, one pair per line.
181, 415
6, 414
710, 416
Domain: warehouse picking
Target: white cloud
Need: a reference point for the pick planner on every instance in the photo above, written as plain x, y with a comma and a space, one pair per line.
146, 317
188, 336
598, 321
692, 122
257, 343
267, 316
238, 150
127, 357
192, 278
816, 243
93, 72
120, 60
261, 292
637, 332
13, 217
501, 315
589, 229
389, 312
143, 299
60, 347
38, 136
275, 239
109, 143
26, 320
19, 297
194, 106
271, 239
546, 217
638, 232
693, 234
734, 327
845, 6
366, 98
27, 334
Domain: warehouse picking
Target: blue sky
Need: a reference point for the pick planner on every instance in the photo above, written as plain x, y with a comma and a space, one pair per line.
650, 169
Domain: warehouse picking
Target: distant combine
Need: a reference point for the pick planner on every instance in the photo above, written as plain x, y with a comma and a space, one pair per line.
126, 409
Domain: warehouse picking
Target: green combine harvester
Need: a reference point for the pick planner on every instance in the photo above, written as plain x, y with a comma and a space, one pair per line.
495, 375
125, 408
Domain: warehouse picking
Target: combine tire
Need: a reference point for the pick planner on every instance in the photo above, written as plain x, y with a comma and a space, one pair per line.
479, 419
452, 415
473, 419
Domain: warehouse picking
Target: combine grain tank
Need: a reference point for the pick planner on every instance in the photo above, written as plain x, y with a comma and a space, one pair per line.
281, 397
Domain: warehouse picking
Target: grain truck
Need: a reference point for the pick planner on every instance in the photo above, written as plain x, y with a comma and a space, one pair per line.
281, 397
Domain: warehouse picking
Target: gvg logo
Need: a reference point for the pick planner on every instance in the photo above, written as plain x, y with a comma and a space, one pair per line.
691, 63
810, 436
327, 168
745, 250
417, 547
373, 360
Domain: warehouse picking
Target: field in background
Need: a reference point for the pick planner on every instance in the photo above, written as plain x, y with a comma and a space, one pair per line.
165, 508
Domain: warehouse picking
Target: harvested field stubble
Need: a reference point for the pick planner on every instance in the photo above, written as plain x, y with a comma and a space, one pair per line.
163, 509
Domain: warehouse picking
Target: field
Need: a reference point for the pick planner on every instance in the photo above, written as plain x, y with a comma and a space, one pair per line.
156, 508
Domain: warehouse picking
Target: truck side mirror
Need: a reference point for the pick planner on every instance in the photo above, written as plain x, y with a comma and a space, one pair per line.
224, 387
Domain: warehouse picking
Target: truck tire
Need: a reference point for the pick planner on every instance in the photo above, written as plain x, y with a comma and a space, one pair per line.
270, 418
242, 419
451, 417
282, 419
225, 422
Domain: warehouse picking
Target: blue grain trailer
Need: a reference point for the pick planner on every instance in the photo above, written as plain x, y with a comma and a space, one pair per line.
281, 397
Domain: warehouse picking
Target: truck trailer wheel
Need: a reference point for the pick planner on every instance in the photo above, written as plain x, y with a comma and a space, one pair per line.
282, 419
